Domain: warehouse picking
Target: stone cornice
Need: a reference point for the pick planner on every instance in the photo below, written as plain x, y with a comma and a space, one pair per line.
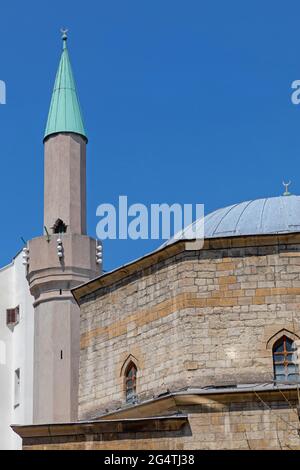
113, 427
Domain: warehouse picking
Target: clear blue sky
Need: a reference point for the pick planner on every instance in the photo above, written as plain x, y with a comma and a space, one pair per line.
184, 101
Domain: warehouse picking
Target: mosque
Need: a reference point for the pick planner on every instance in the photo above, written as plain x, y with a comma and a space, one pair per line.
188, 347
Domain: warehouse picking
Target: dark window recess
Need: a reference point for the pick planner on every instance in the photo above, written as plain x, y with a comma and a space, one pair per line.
61, 354
17, 388
60, 291
130, 383
12, 316
284, 360
59, 227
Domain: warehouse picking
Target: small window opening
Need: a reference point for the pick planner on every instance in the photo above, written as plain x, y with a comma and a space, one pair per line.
130, 383
12, 316
59, 227
17, 388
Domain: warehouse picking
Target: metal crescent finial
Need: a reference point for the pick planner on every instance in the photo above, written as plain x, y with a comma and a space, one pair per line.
286, 185
64, 33
64, 37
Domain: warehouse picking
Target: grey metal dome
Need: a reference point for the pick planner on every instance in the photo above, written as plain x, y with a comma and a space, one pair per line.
258, 217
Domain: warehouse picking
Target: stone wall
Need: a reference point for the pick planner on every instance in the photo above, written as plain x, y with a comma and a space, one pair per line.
196, 319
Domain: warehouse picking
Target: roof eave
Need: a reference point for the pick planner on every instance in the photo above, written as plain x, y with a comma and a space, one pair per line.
175, 248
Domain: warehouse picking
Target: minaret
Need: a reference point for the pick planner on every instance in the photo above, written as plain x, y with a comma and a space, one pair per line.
65, 153
63, 258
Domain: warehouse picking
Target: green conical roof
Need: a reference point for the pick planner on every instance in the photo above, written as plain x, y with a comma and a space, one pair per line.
64, 114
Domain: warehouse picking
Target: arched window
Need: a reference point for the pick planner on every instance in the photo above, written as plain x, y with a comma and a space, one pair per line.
284, 355
59, 227
130, 383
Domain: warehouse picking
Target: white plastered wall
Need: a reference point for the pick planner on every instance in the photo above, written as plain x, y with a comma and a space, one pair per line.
16, 352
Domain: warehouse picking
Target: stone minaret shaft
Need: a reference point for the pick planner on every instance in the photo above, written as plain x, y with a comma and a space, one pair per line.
65, 182
61, 259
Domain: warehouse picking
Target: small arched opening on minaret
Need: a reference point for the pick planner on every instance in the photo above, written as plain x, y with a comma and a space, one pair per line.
59, 226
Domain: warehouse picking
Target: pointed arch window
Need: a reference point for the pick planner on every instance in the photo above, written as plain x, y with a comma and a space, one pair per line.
130, 383
284, 360
59, 227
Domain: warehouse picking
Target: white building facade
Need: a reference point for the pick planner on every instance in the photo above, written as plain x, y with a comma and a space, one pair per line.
16, 351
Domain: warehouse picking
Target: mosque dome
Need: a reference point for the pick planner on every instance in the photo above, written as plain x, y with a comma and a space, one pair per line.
272, 215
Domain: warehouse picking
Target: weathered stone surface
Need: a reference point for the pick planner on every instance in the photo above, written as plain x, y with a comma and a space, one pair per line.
193, 319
